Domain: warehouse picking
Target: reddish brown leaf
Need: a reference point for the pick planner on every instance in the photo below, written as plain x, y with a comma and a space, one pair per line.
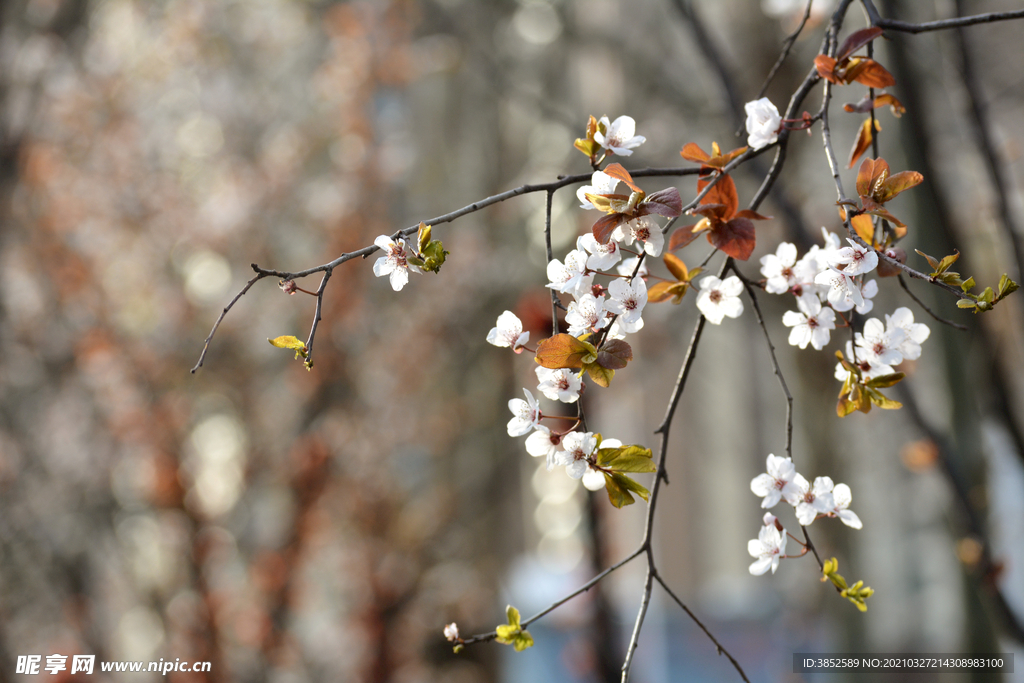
681, 237
864, 227
663, 291
604, 226
857, 40
676, 266
883, 213
692, 152
752, 215
863, 141
826, 68
619, 173
896, 183
562, 351
862, 107
665, 203
872, 74
735, 238
724, 192
615, 354
715, 212
895, 106
871, 172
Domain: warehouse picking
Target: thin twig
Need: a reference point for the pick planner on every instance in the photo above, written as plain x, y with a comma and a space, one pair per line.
220, 318
558, 603
927, 310
551, 256
786, 47
942, 24
316, 317
721, 650
748, 285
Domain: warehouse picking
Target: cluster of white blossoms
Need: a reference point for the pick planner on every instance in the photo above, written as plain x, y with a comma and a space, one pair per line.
830, 280
810, 501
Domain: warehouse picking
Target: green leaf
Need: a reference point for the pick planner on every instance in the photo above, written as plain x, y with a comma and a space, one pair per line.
967, 284
882, 401
966, 303
513, 616
626, 459
512, 633
602, 376
885, 381
621, 489
564, 351
947, 261
1007, 286
931, 261
987, 295
290, 342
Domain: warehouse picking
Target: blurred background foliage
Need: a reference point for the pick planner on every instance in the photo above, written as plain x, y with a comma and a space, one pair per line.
289, 525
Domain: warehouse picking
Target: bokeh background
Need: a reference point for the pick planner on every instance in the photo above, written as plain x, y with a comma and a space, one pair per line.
288, 525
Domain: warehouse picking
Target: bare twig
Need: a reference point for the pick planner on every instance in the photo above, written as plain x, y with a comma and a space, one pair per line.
316, 317
942, 24
551, 256
903, 284
220, 318
721, 650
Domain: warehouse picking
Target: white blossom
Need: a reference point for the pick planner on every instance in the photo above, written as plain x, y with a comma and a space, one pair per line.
843, 291
811, 325
578, 447
880, 345
570, 276
777, 482
393, 263
619, 136
594, 478
720, 298
763, 123
627, 299
842, 497
914, 333
544, 443
811, 501
779, 270
768, 548
854, 259
641, 230
526, 415
867, 293
559, 385
868, 368
586, 314
451, 632
508, 331
602, 256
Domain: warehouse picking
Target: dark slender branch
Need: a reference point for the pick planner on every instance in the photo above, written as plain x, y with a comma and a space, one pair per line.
903, 284
713, 56
645, 601
316, 317
786, 47
810, 546
718, 646
551, 256
558, 603
942, 24
220, 318
984, 138
748, 285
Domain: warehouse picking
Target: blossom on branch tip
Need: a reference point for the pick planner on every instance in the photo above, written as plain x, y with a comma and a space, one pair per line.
777, 482
763, 123
508, 331
394, 262
526, 414
768, 548
843, 291
843, 497
867, 293
811, 325
559, 385
579, 446
869, 369
720, 298
451, 632
619, 135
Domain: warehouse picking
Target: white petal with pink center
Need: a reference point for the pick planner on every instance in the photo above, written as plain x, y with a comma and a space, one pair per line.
719, 299
768, 548
526, 415
619, 136
559, 385
508, 331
